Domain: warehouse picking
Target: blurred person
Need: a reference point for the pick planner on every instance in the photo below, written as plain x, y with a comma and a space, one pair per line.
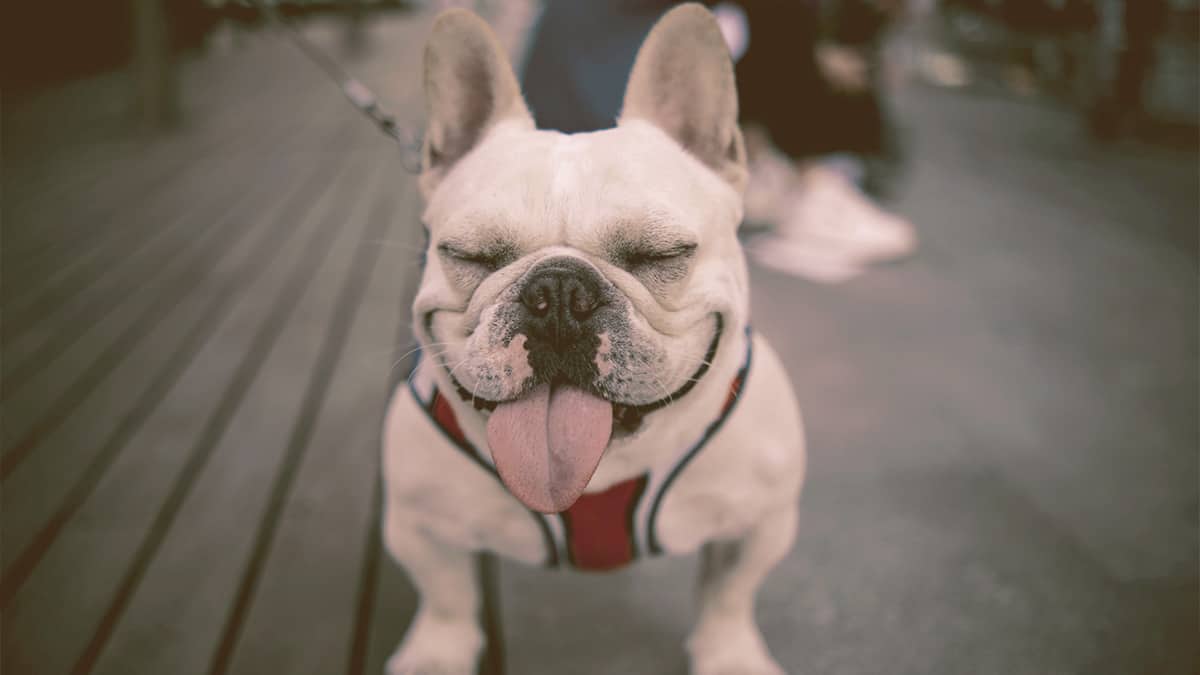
810, 96
1046, 42
1122, 107
831, 99
812, 113
1074, 29
1027, 22
579, 57
820, 142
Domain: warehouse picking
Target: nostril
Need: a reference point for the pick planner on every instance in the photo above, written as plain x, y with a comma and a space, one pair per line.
537, 299
561, 294
582, 304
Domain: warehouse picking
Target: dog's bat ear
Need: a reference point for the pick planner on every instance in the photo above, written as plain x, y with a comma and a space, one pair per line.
469, 88
683, 82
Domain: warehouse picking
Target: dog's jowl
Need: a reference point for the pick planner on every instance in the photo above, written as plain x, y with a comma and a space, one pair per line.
589, 391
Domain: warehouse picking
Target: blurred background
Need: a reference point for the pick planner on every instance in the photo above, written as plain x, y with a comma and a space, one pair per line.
973, 234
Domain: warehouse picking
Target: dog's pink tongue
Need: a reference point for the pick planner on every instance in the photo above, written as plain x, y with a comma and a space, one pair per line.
547, 445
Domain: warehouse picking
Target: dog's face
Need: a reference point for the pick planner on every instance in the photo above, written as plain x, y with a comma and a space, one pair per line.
576, 283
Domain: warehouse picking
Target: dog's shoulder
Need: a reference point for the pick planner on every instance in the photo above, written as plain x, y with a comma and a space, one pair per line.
752, 466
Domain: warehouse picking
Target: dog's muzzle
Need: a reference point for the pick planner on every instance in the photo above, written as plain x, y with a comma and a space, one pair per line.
560, 298
564, 304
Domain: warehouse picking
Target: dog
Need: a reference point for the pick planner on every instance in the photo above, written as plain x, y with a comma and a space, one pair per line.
589, 390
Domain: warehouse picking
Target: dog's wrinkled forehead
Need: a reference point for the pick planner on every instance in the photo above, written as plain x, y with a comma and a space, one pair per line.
675, 157
541, 188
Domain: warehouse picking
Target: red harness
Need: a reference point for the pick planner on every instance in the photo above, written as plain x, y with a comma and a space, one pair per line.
599, 531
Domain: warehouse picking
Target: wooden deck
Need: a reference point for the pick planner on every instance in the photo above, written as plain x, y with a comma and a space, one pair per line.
199, 332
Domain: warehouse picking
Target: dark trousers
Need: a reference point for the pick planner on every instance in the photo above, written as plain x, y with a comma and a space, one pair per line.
582, 52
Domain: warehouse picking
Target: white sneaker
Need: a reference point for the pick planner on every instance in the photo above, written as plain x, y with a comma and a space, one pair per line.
802, 259
832, 232
828, 206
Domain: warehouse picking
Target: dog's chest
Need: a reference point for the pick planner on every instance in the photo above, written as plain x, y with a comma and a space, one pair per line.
603, 530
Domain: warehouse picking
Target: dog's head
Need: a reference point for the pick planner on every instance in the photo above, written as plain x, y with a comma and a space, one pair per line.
575, 284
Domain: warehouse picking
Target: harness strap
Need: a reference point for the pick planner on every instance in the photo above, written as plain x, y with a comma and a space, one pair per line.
731, 399
599, 529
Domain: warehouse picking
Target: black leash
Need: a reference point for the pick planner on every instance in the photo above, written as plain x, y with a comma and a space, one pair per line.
359, 94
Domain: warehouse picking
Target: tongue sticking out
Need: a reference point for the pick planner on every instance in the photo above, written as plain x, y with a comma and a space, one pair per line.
547, 445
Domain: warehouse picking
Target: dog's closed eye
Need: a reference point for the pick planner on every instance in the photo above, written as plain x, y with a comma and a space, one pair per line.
656, 265
468, 266
488, 259
632, 257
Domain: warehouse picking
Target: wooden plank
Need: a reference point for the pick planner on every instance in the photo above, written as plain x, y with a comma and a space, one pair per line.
106, 413
68, 228
243, 99
392, 609
115, 460
30, 183
112, 295
368, 587
75, 376
118, 526
43, 494
304, 435
246, 99
243, 173
115, 409
135, 305
226, 480
48, 228
61, 139
279, 633
82, 235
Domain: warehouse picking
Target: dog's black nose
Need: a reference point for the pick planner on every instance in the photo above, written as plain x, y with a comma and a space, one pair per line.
560, 296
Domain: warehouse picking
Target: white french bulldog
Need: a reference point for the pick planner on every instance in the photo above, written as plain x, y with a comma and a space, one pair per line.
589, 391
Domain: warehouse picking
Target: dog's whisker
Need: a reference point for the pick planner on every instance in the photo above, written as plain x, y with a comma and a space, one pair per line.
458, 365
475, 391
438, 354
418, 348
411, 375
694, 359
430, 354
666, 394
491, 358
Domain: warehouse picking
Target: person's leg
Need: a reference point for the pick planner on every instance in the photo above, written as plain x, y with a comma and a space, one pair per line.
580, 56
788, 108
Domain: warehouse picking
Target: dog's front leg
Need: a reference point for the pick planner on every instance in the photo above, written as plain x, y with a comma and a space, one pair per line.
444, 637
726, 639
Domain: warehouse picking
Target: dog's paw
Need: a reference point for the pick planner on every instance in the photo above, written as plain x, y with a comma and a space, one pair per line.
414, 662
736, 664
437, 648
395, 668
731, 651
